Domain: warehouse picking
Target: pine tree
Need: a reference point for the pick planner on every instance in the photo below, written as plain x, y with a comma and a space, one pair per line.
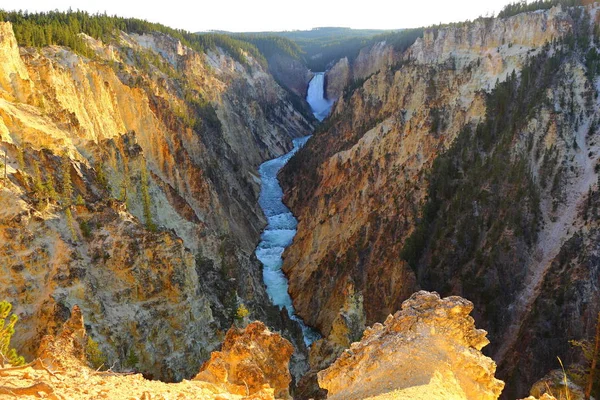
101, 176
146, 199
94, 355
21, 158
70, 223
38, 186
132, 359
594, 360
67, 185
49, 191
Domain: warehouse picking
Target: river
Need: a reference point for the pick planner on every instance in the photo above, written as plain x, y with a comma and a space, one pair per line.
281, 227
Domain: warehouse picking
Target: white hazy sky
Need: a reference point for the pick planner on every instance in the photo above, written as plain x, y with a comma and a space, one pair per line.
262, 15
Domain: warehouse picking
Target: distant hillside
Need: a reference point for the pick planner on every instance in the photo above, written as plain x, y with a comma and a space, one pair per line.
322, 46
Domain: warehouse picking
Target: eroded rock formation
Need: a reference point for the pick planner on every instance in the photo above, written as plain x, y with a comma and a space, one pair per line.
429, 349
250, 359
355, 187
369, 61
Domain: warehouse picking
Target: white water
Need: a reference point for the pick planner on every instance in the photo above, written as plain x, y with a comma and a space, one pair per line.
278, 235
281, 227
316, 97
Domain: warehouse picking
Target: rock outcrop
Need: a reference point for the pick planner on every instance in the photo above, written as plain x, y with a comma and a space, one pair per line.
429, 349
556, 385
291, 73
250, 359
459, 43
370, 60
337, 78
354, 188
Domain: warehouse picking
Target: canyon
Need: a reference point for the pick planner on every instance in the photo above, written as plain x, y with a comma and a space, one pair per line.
160, 195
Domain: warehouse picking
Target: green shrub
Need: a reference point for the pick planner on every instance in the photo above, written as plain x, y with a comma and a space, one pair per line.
132, 359
242, 312
94, 355
86, 229
6, 332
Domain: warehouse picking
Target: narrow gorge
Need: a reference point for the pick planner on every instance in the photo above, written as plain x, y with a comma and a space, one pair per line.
281, 223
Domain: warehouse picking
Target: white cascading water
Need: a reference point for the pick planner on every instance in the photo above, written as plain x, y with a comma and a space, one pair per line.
281, 227
316, 97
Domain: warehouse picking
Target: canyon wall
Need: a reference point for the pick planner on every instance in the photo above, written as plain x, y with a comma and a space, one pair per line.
369, 61
61, 370
460, 168
291, 73
132, 192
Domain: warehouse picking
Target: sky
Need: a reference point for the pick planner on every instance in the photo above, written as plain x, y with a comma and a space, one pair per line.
273, 15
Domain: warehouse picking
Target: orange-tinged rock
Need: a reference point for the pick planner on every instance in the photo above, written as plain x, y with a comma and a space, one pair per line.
251, 360
429, 349
155, 295
68, 345
63, 372
355, 188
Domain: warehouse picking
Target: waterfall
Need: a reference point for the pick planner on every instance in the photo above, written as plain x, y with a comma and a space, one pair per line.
316, 97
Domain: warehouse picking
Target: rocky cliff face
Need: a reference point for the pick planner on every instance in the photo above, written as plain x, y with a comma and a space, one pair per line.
291, 73
250, 359
359, 188
132, 192
429, 349
337, 78
455, 44
369, 61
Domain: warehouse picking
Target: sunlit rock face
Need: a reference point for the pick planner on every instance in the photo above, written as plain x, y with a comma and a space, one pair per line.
155, 239
369, 61
250, 359
291, 73
428, 349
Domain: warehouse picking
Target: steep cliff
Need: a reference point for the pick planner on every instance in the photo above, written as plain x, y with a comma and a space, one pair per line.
429, 349
291, 73
458, 169
369, 61
250, 359
132, 192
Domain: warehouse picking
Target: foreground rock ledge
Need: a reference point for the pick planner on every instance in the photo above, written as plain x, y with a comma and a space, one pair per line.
250, 359
254, 357
430, 349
